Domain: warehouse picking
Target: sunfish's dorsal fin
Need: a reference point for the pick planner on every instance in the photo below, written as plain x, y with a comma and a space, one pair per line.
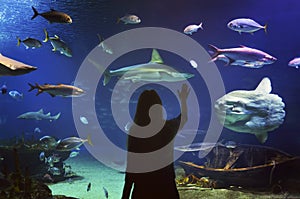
156, 57
264, 86
41, 111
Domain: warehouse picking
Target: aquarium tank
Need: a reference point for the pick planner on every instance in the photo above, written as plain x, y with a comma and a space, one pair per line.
221, 122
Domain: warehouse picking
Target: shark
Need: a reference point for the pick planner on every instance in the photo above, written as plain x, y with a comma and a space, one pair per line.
255, 111
11, 67
153, 71
39, 115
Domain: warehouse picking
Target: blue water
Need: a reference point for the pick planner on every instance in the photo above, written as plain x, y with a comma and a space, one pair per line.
92, 17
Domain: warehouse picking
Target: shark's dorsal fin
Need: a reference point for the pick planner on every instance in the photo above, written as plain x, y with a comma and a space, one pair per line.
264, 86
156, 57
242, 46
41, 111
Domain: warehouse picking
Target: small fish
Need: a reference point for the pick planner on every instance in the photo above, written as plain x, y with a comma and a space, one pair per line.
83, 120
58, 44
54, 171
130, 19
193, 63
37, 130
245, 25
4, 89
53, 16
105, 192
89, 186
42, 156
230, 145
29, 43
71, 143
189, 30
104, 46
73, 154
48, 142
16, 95
295, 62
57, 90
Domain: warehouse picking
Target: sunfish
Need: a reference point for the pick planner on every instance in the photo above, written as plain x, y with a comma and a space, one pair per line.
153, 71
39, 115
255, 111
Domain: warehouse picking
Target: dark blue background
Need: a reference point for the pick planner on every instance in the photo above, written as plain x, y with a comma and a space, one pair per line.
92, 17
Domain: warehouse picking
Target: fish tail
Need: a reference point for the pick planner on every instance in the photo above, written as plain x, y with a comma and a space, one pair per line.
200, 25
106, 78
118, 20
265, 28
89, 140
46, 35
216, 51
100, 37
32, 87
56, 116
35, 13
19, 41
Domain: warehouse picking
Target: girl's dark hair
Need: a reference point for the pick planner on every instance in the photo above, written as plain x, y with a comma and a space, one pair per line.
147, 99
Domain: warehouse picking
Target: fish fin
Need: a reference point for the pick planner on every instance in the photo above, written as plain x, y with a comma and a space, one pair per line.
89, 140
118, 20
240, 32
39, 92
35, 13
46, 35
100, 37
200, 25
32, 87
107, 77
56, 117
19, 41
156, 58
52, 95
51, 9
264, 86
265, 28
56, 36
230, 61
41, 111
215, 50
242, 46
262, 137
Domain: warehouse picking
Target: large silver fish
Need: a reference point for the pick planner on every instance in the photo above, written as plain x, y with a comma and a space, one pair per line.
38, 115
57, 90
255, 111
245, 25
11, 67
243, 56
153, 71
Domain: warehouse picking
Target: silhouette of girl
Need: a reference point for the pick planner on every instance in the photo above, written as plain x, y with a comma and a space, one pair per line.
144, 138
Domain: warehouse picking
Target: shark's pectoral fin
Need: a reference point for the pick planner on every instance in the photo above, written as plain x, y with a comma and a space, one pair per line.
52, 95
262, 137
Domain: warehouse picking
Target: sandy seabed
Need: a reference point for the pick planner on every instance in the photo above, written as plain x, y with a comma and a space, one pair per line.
92, 171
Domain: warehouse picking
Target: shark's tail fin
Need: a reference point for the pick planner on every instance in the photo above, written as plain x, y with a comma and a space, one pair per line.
32, 87
107, 77
55, 117
46, 35
100, 37
35, 13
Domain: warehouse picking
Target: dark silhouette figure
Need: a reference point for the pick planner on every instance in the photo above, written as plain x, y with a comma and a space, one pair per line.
158, 182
